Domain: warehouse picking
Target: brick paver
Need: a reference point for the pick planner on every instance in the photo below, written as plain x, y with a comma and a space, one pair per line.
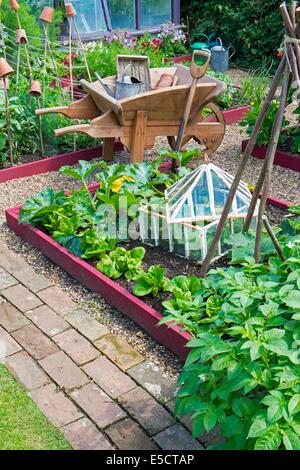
8, 345
90, 383
98, 406
113, 381
6, 280
58, 300
11, 262
64, 371
146, 410
26, 370
150, 376
83, 435
30, 279
76, 346
21, 298
48, 321
35, 342
119, 351
176, 438
127, 435
55, 405
86, 325
11, 318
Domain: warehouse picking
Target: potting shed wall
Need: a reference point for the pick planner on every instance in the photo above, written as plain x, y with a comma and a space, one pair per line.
96, 17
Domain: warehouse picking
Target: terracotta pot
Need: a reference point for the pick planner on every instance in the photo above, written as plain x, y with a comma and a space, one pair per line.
47, 14
21, 36
165, 81
35, 89
14, 5
70, 10
5, 68
6, 80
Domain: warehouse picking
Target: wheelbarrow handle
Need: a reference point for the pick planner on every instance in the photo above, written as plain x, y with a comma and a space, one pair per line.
198, 71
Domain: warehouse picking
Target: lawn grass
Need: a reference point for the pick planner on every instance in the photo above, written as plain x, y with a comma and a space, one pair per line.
22, 425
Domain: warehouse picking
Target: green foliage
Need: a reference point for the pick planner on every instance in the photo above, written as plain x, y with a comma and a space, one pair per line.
253, 27
24, 128
266, 129
122, 262
152, 282
243, 369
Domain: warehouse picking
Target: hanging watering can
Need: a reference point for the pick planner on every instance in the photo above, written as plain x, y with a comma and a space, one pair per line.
220, 57
127, 85
200, 45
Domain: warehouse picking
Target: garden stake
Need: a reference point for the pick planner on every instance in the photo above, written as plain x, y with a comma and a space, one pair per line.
82, 50
270, 161
5, 70
36, 92
15, 8
70, 12
273, 238
241, 168
291, 31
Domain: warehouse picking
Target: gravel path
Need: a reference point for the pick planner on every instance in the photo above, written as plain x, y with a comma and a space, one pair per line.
285, 185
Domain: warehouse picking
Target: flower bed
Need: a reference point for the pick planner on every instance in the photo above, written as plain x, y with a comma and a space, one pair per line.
283, 159
113, 293
52, 163
116, 295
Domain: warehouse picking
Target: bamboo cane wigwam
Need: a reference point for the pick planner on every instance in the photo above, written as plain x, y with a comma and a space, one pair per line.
291, 58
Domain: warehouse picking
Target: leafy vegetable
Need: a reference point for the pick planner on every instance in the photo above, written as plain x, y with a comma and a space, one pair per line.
152, 282
122, 262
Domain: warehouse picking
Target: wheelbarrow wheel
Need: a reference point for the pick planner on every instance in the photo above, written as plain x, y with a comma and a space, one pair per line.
210, 113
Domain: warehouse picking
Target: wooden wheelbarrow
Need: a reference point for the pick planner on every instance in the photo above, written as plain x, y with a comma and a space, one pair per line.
138, 120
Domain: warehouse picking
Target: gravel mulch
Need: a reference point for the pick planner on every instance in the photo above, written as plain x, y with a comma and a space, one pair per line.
285, 185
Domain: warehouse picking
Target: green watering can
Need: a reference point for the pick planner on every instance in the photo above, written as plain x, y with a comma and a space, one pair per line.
200, 45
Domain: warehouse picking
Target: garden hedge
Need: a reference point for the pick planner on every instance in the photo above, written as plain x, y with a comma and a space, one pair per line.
253, 27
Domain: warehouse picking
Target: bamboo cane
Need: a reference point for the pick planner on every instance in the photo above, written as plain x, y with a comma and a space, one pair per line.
71, 71
273, 238
242, 166
8, 123
41, 130
270, 161
292, 10
82, 50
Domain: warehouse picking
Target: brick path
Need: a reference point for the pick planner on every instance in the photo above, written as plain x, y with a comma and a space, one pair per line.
91, 384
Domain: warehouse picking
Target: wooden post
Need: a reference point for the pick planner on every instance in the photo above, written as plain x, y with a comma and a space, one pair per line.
270, 161
273, 238
139, 136
108, 148
242, 166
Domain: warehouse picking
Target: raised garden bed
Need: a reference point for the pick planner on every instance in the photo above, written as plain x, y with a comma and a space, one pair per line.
283, 159
116, 295
52, 163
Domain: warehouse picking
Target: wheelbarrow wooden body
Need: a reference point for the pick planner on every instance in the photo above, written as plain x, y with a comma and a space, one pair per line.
138, 120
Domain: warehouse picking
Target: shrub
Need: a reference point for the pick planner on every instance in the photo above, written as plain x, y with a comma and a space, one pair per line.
253, 27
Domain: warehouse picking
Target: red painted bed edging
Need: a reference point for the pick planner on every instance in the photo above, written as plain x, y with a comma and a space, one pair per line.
118, 297
283, 159
235, 115
52, 163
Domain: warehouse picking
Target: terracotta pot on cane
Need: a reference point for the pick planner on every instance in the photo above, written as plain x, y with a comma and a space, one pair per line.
5, 68
14, 5
21, 36
35, 89
47, 14
70, 10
